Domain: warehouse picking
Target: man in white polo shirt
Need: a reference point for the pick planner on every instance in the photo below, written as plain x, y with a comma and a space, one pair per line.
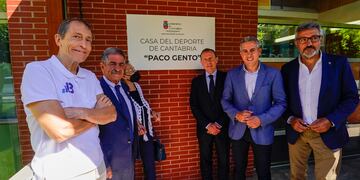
63, 104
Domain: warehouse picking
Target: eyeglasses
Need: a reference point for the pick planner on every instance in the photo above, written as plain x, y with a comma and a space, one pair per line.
313, 39
251, 51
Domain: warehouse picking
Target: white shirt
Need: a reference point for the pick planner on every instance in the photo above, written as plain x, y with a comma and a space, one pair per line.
50, 80
126, 97
208, 79
250, 81
309, 90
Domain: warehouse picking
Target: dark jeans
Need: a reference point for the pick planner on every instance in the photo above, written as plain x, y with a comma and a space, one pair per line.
262, 155
147, 157
206, 142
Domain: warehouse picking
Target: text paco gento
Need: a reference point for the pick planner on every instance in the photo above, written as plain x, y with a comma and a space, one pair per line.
172, 57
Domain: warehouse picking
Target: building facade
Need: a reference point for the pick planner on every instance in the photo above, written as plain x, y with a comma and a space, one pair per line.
31, 25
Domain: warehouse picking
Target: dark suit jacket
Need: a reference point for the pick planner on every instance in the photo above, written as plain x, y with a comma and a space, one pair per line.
204, 110
119, 151
338, 97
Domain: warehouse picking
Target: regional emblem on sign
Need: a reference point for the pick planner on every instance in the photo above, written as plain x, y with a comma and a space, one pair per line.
165, 24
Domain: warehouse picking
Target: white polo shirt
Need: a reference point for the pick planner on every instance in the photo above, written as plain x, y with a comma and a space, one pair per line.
50, 80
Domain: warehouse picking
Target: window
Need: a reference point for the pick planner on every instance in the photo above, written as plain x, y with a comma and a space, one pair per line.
277, 40
9, 138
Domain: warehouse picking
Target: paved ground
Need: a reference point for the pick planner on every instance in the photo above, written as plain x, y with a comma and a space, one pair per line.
350, 170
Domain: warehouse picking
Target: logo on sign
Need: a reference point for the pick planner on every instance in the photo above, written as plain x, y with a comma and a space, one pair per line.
172, 28
165, 24
68, 88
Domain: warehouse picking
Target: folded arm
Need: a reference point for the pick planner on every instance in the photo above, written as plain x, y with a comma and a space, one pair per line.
52, 119
103, 113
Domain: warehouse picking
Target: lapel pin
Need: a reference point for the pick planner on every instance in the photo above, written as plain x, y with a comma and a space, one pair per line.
329, 63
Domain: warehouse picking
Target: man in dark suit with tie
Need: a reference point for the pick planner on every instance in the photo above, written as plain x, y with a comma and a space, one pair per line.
118, 139
212, 122
321, 93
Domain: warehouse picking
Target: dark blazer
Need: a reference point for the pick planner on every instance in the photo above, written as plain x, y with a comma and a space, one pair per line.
268, 102
338, 97
203, 108
115, 139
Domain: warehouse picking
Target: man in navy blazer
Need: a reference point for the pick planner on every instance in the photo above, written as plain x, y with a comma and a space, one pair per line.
321, 93
211, 120
118, 139
254, 99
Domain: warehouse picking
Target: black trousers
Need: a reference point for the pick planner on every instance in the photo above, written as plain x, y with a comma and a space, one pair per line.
206, 142
147, 157
262, 156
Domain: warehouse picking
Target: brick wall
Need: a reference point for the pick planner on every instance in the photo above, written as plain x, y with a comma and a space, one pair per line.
30, 27
29, 31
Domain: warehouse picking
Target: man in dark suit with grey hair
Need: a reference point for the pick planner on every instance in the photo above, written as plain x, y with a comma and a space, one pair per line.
321, 93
